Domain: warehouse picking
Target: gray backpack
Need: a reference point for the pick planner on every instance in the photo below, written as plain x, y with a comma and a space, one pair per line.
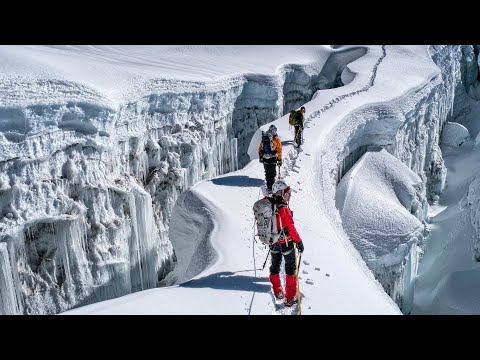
265, 213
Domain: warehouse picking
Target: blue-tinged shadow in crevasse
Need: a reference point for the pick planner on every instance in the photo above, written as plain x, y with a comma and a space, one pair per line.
228, 280
238, 180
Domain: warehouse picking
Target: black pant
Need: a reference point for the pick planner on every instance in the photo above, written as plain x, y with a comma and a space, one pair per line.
288, 253
298, 135
270, 171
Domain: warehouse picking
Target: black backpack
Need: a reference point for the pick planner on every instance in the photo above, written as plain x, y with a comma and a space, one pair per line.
267, 146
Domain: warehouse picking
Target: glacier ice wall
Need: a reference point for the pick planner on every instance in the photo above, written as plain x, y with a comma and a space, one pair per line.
465, 113
410, 129
473, 201
87, 189
467, 94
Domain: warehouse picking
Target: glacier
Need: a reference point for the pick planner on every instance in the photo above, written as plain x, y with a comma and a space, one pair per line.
90, 185
89, 179
410, 129
413, 130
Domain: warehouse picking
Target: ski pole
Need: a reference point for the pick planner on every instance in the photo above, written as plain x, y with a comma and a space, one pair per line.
298, 282
278, 172
266, 259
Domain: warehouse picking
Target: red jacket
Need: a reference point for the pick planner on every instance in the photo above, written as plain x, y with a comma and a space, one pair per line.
284, 216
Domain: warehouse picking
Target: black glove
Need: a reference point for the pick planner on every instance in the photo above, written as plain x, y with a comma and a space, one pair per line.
300, 247
279, 162
260, 159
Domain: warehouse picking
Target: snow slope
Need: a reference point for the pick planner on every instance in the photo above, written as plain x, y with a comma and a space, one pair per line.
334, 279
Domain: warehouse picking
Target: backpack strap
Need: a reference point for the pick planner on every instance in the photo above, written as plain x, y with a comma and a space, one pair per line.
282, 230
274, 211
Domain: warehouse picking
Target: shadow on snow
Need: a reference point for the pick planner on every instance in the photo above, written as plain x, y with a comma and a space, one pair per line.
227, 280
238, 180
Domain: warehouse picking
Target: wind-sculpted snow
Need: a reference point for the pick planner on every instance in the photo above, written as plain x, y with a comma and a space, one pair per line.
454, 135
192, 224
408, 126
396, 98
383, 208
122, 73
119, 174
90, 171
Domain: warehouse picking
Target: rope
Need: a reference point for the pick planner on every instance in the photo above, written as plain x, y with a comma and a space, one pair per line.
253, 244
254, 262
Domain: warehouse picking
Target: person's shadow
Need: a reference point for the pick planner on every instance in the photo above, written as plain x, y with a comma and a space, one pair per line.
238, 180
228, 280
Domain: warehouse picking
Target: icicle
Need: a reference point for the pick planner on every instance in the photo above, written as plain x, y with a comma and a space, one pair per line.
454, 75
17, 246
233, 155
7, 289
142, 167
143, 257
70, 237
136, 273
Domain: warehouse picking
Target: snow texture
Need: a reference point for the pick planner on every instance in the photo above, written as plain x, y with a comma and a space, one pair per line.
134, 169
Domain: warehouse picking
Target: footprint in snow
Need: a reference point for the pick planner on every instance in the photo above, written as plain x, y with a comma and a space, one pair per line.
306, 262
310, 282
304, 271
317, 268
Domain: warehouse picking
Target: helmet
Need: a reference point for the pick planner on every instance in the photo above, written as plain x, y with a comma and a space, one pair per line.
272, 129
280, 188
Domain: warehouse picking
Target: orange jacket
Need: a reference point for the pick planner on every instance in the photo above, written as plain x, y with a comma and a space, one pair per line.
277, 145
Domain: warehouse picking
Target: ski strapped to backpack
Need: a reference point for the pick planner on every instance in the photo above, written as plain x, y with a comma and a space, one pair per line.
265, 212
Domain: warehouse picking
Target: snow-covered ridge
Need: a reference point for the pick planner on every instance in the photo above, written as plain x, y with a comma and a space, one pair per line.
102, 179
408, 128
388, 77
120, 72
98, 177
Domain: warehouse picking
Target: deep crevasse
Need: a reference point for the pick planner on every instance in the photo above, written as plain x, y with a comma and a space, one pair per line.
88, 190
101, 186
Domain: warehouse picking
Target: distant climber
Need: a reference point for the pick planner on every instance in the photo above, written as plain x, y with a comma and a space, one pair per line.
270, 154
298, 135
